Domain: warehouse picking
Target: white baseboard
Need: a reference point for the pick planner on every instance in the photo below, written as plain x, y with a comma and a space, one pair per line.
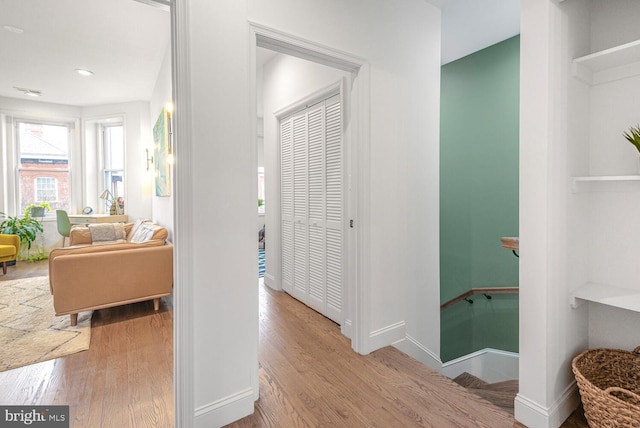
490, 365
270, 281
534, 415
417, 351
226, 410
347, 328
386, 336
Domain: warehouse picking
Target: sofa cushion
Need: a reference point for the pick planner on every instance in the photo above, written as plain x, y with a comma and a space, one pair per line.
7, 250
88, 249
79, 235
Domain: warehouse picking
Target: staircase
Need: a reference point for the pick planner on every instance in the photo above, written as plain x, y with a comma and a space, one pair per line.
501, 394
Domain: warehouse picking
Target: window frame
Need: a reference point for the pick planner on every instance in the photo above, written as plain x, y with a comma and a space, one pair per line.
70, 125
103, 142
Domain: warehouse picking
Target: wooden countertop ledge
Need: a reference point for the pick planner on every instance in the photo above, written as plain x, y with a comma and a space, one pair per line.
511, 243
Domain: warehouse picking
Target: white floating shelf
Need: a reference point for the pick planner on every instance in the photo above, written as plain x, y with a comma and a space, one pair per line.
576, 181
607, 178
607, 295
608, 65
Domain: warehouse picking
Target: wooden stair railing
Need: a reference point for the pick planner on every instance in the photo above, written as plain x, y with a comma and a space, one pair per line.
482, 290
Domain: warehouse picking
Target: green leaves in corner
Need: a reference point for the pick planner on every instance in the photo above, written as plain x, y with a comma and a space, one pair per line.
633, 135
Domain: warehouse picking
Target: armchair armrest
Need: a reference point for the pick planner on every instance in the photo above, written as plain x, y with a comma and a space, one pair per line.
8, 239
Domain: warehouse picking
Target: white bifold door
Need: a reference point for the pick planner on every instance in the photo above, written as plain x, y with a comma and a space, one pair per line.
312, 204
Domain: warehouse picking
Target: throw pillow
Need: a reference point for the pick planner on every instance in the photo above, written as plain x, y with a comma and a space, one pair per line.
105, 232
136, 226
144, 232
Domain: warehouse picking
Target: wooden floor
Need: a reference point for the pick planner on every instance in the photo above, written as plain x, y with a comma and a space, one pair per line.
124, 380
309, 377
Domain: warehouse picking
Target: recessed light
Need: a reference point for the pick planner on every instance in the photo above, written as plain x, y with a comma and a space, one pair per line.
12, 29
29, 92
84, 72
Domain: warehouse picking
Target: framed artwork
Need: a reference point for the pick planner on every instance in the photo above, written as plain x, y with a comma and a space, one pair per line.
161, 165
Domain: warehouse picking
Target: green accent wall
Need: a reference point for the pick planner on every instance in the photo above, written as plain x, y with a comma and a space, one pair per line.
479, 128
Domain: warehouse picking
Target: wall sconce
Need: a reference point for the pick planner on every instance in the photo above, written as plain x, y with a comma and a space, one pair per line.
169, 108
149, 160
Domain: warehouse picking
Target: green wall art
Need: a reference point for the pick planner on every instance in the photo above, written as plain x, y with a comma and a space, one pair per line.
162, 168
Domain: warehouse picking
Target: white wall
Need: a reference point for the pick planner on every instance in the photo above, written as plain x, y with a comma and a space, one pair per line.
137, 133
568, 238
401, 42
551, 333
286, 80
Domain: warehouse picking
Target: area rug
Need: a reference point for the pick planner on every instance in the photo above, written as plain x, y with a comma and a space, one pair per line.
30, 332
261, 267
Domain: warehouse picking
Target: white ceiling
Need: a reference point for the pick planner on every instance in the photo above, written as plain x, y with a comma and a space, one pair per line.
471, 25
124, 42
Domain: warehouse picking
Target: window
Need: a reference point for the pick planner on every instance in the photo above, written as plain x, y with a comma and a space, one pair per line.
113, 155
43, 164
46, 189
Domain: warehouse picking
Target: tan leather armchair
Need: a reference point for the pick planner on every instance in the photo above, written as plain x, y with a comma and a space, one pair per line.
9, 249
90, 276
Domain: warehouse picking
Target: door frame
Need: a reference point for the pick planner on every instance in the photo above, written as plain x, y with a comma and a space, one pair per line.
357, 102
359, 238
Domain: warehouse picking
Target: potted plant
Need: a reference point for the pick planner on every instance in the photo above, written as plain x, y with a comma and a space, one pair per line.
37, 209
25, 227
633, 136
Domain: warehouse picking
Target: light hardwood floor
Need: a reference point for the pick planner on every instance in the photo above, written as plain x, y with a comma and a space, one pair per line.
125, 379
308, 375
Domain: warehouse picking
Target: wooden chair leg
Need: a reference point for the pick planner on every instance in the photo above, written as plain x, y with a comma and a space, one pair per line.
156, 304
74, 319
4, 268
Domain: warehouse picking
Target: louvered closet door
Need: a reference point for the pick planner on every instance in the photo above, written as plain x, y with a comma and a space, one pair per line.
300, 201
286, 202
334, 214
317, 289
312, 207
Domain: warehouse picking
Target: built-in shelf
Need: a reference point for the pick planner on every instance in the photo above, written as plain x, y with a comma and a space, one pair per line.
576, 181
607, 295
611, 64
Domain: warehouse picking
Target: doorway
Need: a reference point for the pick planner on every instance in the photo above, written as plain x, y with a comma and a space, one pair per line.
353, 73
312, 247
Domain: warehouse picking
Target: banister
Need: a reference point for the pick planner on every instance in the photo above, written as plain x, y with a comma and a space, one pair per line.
481, 290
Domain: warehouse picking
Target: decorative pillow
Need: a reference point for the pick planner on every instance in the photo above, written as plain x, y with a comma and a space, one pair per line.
144, 232
106, 232
136, 226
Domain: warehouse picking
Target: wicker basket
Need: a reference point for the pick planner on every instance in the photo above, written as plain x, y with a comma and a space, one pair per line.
609, 383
